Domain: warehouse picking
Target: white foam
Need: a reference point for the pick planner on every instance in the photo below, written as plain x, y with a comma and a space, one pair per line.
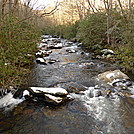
9, 102
103, 109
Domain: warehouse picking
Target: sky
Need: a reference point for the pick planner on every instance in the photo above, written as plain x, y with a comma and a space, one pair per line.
40, 3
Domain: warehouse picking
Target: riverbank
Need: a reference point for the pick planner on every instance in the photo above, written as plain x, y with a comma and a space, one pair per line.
18, 42
121, 57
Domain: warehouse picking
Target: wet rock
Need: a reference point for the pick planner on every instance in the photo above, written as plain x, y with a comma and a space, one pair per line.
82, 52
50, 95
39, 54
94, 92
46, 36
103, 54
70, 43
107, 51
88, 64
40, 45
79, 44
44, 40
58, 46
43, 53
3, 92
119, 82
110, 76
41, 61
51, 61
71, 50
55, 40
52, 91
73, 87
54, 99
55, 36
55, 46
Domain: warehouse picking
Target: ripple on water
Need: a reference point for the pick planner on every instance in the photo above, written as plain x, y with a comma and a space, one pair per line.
104, 110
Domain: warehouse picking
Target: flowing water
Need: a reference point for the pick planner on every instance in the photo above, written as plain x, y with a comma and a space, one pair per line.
83, 114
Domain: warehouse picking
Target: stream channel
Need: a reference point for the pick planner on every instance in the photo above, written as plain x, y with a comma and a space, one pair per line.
82, 114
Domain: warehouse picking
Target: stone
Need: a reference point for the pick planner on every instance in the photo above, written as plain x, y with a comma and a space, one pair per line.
58, 46
107, 51
39, 54
49, 95
53, 91
46, 36
53, 99
51, 61
110, 76
40, 45
71, 50
41, 61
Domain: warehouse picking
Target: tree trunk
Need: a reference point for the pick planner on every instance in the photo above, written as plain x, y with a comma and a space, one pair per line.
10, 8
122, 11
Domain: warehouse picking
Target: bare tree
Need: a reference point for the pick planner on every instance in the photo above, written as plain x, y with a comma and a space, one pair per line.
122, 11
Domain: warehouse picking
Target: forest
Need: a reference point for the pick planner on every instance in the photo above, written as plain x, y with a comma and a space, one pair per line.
96, 24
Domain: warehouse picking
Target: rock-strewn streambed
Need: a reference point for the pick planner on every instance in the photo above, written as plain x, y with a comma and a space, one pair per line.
68, 93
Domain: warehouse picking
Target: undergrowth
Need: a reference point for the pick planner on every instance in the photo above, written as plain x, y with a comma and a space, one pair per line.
17, 47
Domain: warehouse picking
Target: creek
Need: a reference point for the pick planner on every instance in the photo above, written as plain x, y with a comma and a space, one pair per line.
83, 114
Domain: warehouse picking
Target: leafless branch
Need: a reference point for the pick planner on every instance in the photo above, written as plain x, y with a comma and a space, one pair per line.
52, 11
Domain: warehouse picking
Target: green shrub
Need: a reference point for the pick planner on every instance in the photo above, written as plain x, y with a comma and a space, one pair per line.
92, 30
17, 47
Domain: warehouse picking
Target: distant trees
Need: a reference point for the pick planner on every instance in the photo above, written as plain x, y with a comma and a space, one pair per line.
20, 30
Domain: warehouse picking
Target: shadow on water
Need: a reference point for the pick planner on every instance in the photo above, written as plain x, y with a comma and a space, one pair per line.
83, 115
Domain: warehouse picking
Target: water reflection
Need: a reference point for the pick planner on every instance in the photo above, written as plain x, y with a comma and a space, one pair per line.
83, 115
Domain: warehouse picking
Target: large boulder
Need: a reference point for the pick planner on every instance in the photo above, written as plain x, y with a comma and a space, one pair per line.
53, 91
50, 95
117, 81
110, 76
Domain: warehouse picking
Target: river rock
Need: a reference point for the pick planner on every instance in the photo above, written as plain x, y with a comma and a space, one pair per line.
43, 53
53, 91
40, 45
109, 76
41, 61
50, 95
4, 92
51, 61
46, 36
71, 50
58, 46
107, 51
53, 99
115, 78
